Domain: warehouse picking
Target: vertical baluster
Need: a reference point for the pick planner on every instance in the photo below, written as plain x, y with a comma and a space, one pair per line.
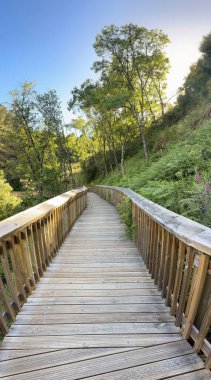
154, 249
32, 253
185, 284
47, 237
144, 236
204, 328
44, 239
22, 265
133, 210
162, 258
141, 235
178, 278
199, 284
68, 216
55, 231
167, 265
8, 276
152, 233
6, 303
147, 241
16, 269
51, 236
208, 362
150, 245
172, 272
139, 229
3, 325
60, 225
27, 257
41, 246
37, 250
158, 252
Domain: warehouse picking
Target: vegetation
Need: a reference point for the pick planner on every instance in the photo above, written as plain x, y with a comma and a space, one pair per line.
126, 132
125, 211
8, 202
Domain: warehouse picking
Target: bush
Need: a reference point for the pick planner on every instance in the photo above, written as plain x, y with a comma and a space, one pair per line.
125, 210
8, 202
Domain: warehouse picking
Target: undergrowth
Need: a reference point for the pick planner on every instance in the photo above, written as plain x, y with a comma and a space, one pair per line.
125, 211
169, 178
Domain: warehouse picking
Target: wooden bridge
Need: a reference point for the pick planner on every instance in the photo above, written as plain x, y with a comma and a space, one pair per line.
85, 301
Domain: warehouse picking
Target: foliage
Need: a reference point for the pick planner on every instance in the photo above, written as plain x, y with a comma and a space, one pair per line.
129, 95
45, 159
125, 210
8, 202
197, 85
169, 178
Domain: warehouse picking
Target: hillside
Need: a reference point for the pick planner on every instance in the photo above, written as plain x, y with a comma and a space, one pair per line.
177, 176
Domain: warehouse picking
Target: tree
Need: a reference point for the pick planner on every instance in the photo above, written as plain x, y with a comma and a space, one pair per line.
134, 57
43, 151
8, 149
197, 86
49, 107
8, 202
33, 137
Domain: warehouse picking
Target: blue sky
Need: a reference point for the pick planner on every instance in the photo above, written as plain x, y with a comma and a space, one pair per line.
50, 41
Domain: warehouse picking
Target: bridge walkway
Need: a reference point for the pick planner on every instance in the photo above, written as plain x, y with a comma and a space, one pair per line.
97, 314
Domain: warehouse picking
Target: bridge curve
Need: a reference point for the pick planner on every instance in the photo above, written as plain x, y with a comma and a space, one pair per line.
96, 313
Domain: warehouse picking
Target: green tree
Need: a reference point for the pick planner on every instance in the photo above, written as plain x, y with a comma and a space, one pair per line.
8, 202
134, 57
49, 107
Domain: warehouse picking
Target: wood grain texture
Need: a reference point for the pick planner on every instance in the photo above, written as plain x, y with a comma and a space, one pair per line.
96, 313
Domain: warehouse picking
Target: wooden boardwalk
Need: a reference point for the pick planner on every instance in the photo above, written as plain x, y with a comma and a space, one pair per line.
97, 314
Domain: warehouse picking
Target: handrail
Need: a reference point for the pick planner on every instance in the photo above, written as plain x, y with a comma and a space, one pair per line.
177, 251
29, 241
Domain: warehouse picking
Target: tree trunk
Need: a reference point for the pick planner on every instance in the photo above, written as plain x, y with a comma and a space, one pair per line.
122, 159
72, 176
143, 140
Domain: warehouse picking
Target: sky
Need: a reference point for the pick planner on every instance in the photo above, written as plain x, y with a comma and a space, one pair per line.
50, 42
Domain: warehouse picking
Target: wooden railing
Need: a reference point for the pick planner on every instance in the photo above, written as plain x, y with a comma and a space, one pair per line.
177, 252
28, 243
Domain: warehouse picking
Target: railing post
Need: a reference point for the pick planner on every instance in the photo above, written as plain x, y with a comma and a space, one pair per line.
204, 328
200, 279
10, 284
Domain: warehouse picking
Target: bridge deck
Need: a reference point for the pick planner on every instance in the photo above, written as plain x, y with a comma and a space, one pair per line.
97, 314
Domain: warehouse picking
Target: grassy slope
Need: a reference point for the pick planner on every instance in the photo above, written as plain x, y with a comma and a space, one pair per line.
169, 177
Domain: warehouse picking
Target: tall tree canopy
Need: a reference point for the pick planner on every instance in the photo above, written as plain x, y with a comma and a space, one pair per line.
135, 58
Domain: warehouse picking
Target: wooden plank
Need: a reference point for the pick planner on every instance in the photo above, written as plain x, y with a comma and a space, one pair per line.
94, 300
7, 355
49, 318
99, 279
156, 371
94, 286
202, 374
71, 270
33, 360
113, 267
95, 293
93, 328
114, 308
116, 367
98, 275
88, 341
